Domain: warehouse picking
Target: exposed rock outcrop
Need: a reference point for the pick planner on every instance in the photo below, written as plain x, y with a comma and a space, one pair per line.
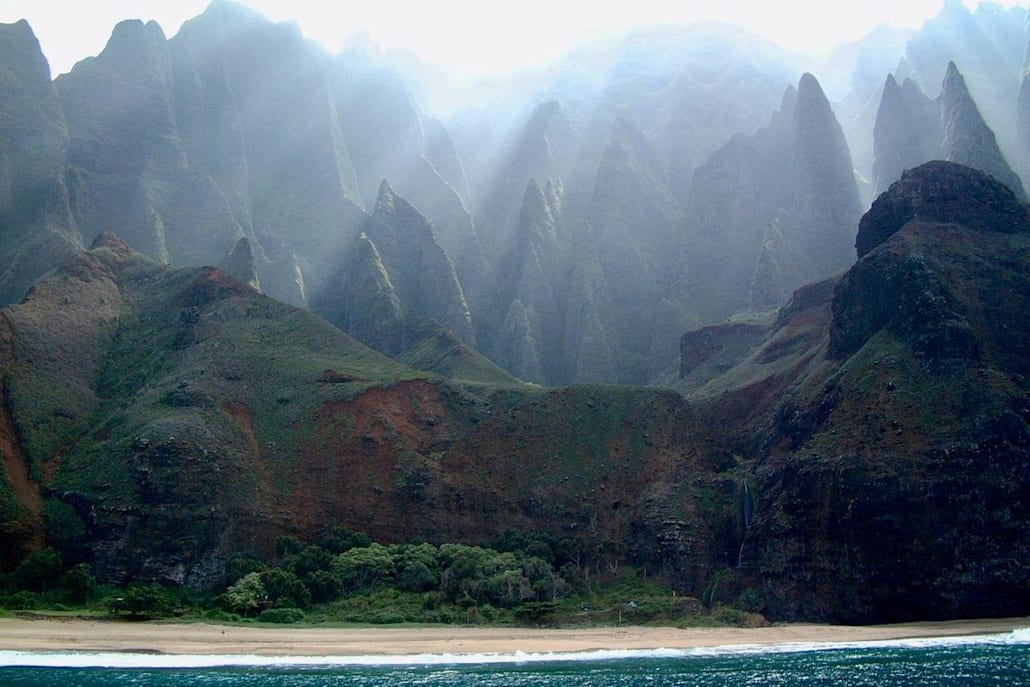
911, 129
242, 263
966, 137
37, 230
942, 192
128, 165
532, 289
907, 132
772, 211
395, 271
361, 300
876, 397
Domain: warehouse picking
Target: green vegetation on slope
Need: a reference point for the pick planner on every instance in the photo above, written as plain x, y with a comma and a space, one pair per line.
530, 579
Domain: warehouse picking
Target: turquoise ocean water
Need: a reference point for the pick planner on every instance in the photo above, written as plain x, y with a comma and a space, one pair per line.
1002, 660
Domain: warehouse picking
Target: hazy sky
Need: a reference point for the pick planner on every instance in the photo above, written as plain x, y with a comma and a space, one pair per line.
476, 36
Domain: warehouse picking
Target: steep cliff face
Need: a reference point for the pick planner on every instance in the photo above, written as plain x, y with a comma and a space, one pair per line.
988, 45
389, 137
877, 424
825, 203
137, 416
636, 224
241, 263
909, 396
907, 132
532, 289
941, 192
734, 197
398, 265
397, 291
772, 211
1023, 125
128, 166
966, 137
257, 112
37, 229
593, 351
911, 129
207, 419
361, 299
543, 147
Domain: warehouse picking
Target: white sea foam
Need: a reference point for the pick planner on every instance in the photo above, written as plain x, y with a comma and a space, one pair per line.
129, 660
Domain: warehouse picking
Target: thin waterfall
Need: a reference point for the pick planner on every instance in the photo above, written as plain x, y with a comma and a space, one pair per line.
747, 510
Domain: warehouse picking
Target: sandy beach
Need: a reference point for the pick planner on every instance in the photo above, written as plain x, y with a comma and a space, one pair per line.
188, 638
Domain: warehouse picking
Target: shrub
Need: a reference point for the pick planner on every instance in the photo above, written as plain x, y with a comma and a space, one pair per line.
735, 616
143, 601
79, 584
239, 567
309, 560
286, 545
750, 600
281, 616
39, 572
341, 539
536, 613
65, 529
386, 617
324, 586
415, 576
20, 601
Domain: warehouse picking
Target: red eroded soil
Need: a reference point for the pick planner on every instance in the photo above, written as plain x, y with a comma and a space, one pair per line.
244, 417
368, 459
28, 528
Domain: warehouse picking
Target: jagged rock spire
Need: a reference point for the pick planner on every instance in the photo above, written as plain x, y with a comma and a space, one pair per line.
37, 229
966, 137
906, 133
242, 263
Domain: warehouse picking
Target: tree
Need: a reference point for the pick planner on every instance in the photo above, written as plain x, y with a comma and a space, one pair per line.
284, 589
144, 601
365, 567
39, 572
463, 568
286, 545
418, 567
309, 560
79, 584
239, 567
324, 586
247, 596
341, 539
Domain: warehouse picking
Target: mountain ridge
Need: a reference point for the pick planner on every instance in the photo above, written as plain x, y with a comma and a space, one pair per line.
687, 205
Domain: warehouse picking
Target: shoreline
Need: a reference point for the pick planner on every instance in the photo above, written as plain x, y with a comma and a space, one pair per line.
200, 639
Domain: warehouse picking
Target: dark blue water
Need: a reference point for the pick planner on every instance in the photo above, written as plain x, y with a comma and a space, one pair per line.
1002, 661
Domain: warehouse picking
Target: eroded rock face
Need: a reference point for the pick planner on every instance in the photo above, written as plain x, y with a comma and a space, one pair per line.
912, 129
774, 210
906, 134
946, 193
1023, 123
899, 413
361, 300
877, 425
242, 263
37, 230
395, 271
966, 137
